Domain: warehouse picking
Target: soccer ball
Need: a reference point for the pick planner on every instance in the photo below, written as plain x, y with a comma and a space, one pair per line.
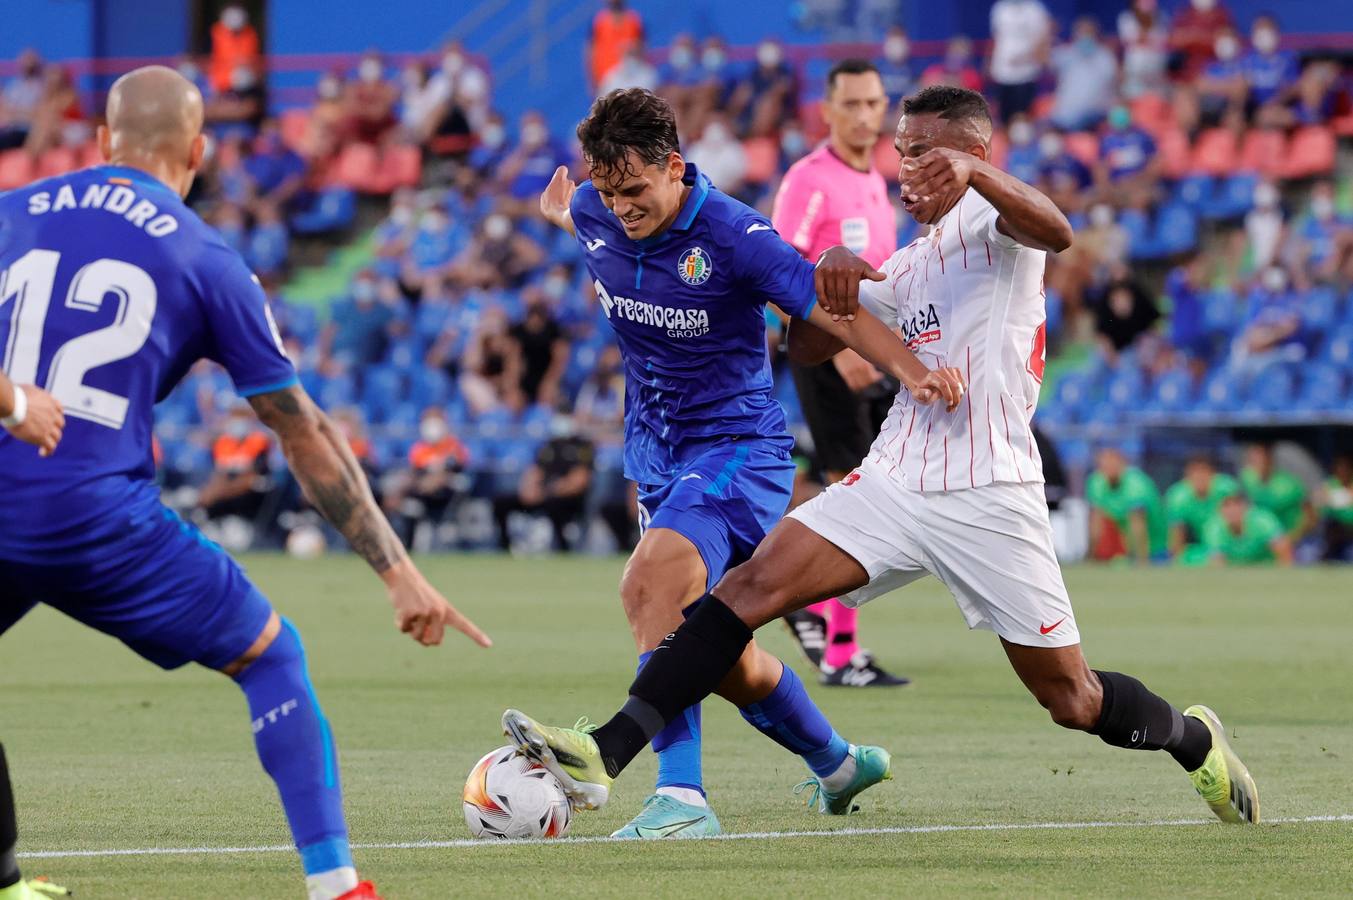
510, 796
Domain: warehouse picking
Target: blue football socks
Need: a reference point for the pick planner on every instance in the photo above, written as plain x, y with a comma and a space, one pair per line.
790, 718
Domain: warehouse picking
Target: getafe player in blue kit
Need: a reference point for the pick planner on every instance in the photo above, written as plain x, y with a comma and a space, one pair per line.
111, 289
683, 274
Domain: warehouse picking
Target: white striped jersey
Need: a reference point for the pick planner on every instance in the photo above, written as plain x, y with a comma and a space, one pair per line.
965, 295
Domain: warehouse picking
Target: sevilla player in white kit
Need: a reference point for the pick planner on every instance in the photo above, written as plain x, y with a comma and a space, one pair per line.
956, 494
835, 197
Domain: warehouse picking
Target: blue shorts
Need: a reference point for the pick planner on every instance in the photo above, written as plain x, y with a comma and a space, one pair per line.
162, 589
724, 501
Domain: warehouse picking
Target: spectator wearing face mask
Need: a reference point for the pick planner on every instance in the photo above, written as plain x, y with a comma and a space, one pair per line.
634, 70
1021, 39
1146, 54
679, 81
1193, 34
491, 149
424, 491
239, 480
956, 69
615, 31
1087, 79
1128, 171
1265, 226
19, 100
276, 173
895, 67
239, 109
359, 326
234, 45
419, 104
1022, 158
767, 96
1221, 85
1322, 239
370, 102
555, 485
1271, 74
1061, 175
324, 128
269, 245
719, 154
1273, 329
529, 166
434, 245
499, 256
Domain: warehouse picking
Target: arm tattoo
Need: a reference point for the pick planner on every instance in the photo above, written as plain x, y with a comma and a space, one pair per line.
329, 474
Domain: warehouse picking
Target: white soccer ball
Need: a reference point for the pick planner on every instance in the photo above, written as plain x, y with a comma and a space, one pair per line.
306, 542
510, 796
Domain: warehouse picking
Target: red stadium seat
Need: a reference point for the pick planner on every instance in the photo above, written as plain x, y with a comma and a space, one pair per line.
58, 161
401, 166
1310, 153
814, 126
1172, 145
295, 127
1343, 126
1215, 152
1084, 146
1263, 151
16, 169
1153, 113
357, 169
763, 159
1042, 107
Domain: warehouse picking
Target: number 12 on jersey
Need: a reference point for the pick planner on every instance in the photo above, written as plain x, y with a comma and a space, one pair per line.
28, 285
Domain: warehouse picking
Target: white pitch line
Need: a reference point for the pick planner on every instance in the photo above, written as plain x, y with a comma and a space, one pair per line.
743, 836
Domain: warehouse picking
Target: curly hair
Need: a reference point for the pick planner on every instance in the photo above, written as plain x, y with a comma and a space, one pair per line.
625, 120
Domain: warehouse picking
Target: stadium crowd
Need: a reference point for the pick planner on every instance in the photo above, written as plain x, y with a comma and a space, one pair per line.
477, 378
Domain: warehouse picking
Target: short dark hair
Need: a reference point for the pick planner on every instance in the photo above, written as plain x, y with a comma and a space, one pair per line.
628, 119
952, 103
849, 67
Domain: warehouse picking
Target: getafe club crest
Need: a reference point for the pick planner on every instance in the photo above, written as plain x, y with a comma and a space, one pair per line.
694, 267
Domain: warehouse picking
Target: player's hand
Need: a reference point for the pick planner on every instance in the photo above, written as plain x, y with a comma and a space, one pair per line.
422, 612
555, 201
857, 372
945, 384
837, 280
43, 423
932, 182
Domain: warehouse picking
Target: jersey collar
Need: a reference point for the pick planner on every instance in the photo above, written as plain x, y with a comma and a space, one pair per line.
136, 176
700, 186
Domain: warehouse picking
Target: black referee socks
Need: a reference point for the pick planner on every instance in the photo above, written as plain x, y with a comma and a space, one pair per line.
685, 668
1134, 718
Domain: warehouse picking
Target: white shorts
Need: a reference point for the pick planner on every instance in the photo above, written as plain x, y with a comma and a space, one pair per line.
991, 546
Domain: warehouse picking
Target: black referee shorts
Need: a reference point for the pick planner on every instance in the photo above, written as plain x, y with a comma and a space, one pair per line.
843, 423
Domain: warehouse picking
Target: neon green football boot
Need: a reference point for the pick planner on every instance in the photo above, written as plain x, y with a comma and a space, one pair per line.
570, 754
1222, 780
33, 889
872, 765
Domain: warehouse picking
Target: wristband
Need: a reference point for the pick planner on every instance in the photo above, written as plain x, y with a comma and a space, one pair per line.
15, 418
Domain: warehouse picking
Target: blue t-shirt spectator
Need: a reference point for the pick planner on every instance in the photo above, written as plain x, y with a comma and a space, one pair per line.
537, 168
1065, 166
1188, 326
1023, 162
1269, 307
1268, 74
1126, 151
272, 164
359, 326
1320, 235
267, 248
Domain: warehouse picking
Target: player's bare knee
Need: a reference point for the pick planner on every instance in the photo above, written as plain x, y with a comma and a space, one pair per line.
1070, 703
754, 592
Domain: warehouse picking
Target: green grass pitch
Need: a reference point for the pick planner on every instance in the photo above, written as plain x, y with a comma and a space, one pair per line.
108, 752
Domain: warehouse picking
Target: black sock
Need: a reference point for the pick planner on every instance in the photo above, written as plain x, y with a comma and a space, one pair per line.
1134, 718
684, 669
9, 828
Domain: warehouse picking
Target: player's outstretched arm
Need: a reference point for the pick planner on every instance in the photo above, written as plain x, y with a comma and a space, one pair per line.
555, 202
31, 414
870, 338
334, 482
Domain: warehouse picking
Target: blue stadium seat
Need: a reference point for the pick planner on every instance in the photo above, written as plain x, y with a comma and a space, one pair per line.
1138, 228
1338, 347
1221, 311
1175, 391
1127, 390
1273, 390
1176, 230
402, 421
535, 422
1232, 198
1221, 394
1075, 391
429, 386
1194, 191
1324, 388
337, 391
1321, 309
382, 389
334, 209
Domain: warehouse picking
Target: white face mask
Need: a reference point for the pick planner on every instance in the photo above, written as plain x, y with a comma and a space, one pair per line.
432, 429
401, 215
555, 287
452, 63
242, 79
493, 136
234, 18
370, 70
497, 227
1274, 280
412, 78
433, 222
1226, 48
236, 427
189, 71
768, 55
712, 58
1322, 208
329, 89
1101, 215
895, 49
1050, 145
1265, 196
1204, 5
1021, 133
716, 132
682, 57
1265, 40
533, 134
364, 291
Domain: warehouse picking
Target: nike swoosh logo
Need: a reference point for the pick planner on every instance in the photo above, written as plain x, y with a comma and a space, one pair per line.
757, 227
666, 830
595, 243
1049, 629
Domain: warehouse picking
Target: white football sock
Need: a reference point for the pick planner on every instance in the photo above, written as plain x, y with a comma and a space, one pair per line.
840, 779
331, 884
689, 796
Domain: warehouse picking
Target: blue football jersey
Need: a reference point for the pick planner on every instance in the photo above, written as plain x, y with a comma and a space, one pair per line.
110, 288
688, 309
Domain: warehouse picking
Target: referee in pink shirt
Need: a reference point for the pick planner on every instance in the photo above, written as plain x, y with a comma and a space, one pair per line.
832, 196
